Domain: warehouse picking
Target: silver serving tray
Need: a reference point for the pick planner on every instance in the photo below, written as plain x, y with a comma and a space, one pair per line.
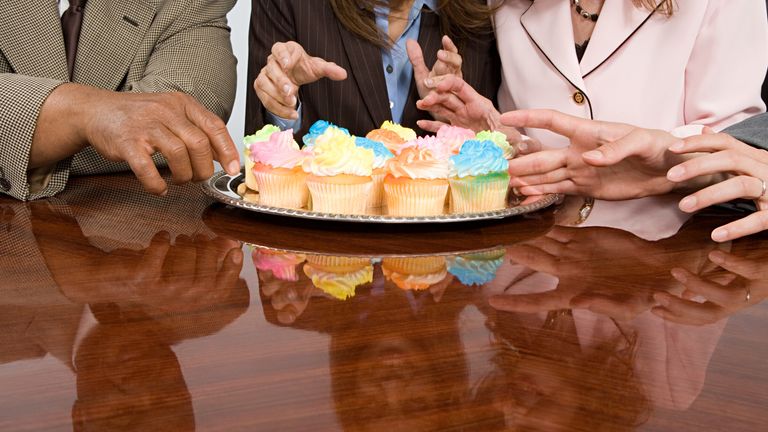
224, 188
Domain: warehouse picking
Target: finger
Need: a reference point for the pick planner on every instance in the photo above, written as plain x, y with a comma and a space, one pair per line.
556, 176
224, 149
527, 145
712, 291
266, 91
437, 111
638, 142
448, 63
206, 262
284, 88
727, 190
430, 125
416, 56
329, 70
529, 303
566, 187
752, 224
175, 152
230, 270
459, 87
685, 312
449, 101
287, 54
566, 125
151, 264
534, 258
719, 162
538, 163
711, 143
744, 267
144, 169
448, 45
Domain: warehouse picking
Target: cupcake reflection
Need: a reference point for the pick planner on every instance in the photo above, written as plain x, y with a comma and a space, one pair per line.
338, 276
476, 269
417, 273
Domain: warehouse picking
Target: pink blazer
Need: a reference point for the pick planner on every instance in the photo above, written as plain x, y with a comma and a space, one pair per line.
702, 66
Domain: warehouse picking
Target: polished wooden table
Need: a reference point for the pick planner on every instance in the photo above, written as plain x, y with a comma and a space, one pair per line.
124, 312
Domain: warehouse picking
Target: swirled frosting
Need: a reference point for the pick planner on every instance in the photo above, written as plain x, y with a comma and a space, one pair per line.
282, 265
261, 135
319, 128
418, 163
414, 281
339, 285
434, 144
474, 271
407, 134
454, 136
381, 153
500, 140
279, 151
478, 158
335, 153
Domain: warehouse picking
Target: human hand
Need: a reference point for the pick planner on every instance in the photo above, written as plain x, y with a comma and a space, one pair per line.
452, 99
448, 62
745, 284
611, 161
131, 127
289, 67
747, 172
288, 298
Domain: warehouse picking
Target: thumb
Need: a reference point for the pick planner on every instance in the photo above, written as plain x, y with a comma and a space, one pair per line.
611, 153
416, 56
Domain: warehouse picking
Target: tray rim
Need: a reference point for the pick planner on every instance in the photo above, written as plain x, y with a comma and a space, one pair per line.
230, 197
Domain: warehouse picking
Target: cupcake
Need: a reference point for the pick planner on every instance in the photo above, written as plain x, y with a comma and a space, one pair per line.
260, 136
407, 134
381, 155
390, 139
339, 178
479, 178
476, 269
416, 184
454, 137
416, 273
281, 264
319, 128
434, 144
338, 276
278, 171
500, 140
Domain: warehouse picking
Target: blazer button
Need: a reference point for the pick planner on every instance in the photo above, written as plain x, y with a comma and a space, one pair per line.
579, 98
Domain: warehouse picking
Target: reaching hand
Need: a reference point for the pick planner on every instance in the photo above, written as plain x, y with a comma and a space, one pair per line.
288, 68
448, 62
459, 104
747, 171
611, 161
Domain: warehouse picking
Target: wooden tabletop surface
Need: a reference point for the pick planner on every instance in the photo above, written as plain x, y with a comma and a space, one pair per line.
125, 312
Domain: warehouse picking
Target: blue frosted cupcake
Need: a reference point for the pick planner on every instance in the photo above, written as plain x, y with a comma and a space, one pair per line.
479, 178
476, 269
319, 128
381, 155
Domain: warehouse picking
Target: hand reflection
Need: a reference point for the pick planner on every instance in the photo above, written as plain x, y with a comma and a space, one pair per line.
170, 276
288, 298
707, 300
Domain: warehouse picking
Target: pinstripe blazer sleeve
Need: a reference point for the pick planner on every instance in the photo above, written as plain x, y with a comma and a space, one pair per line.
753, 131
153, 46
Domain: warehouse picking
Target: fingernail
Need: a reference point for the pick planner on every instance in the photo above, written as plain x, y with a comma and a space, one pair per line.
678, 146
233, 168
441, 54
717, 257
237, 257
680, 275
594, 155
661, 299
676, 173
688, 203
285, 61
720, 234
292, 101
429, 82
287, 89
523, 146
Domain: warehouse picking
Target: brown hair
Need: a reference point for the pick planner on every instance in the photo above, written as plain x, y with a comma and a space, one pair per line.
458, 19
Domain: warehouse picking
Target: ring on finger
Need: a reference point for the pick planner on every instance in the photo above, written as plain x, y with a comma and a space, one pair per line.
763, 186
748, 296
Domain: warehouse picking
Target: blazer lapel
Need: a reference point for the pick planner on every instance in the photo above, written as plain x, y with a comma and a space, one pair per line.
619, 20
365, 62
111, 35
430, 40
548, 23
31, 38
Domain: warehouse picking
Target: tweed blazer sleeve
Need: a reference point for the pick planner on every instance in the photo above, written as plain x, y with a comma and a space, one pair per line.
753, 131
145, 46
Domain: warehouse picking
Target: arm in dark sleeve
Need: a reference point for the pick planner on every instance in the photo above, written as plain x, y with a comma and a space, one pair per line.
753, 131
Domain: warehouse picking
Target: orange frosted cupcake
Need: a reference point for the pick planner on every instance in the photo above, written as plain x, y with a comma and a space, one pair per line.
260, 136
416, 184
390, 139
339, 179
416, 273
278, 173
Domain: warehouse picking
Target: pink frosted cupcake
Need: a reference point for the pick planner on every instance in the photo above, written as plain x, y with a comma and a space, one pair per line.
281, 264
260, 136
454, 137
416, 184
278, 173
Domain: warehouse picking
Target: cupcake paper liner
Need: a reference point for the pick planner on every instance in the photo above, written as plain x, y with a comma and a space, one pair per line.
282, 188
415, 198
479, 194
339, 198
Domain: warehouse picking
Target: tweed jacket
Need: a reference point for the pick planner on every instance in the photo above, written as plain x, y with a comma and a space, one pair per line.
359, 103
753, 131
137, 46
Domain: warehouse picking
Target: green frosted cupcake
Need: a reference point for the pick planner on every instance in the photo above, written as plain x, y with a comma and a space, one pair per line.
479, 178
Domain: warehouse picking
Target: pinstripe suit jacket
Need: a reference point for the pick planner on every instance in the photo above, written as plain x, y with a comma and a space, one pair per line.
359, 103
137, 46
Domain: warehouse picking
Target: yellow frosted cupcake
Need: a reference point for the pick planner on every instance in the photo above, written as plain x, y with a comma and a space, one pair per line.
479, 178
338, 276
407, 134
339, 178
278, 171
416, 184
261, 135
416, 273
